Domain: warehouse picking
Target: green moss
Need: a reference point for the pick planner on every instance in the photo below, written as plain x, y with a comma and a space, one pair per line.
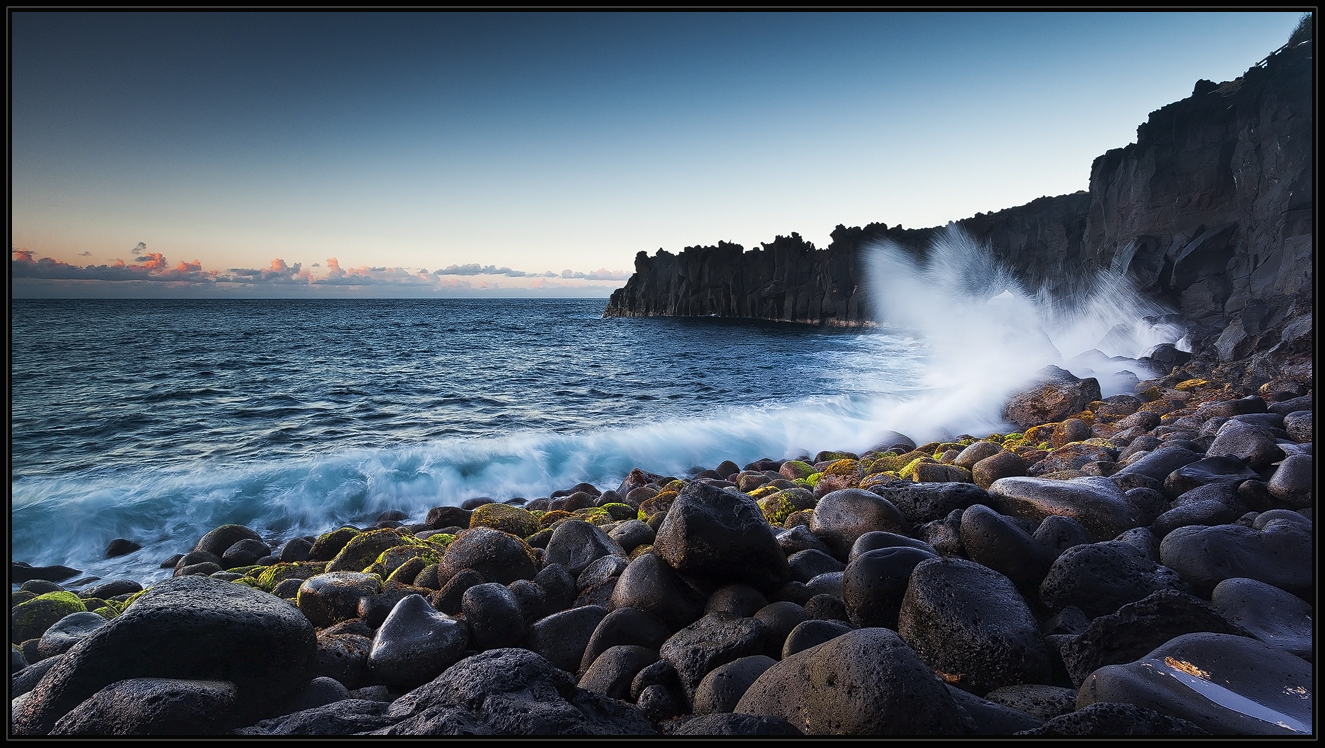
797, 469
509, 519
813, 480
846, 468
329, 544
619, 511
909, 472
364, 548
107, 612
248, 582
29, 620
762, 491
277, 573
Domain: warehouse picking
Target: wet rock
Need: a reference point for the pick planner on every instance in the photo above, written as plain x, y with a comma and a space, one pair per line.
709, 642
328, 599
976, 452
1138, 628
1292, 483
575, 544
1205, 471
944, 535
866, 682
319, 692
921, 502
799, 538
415, 644
562, 638
994, 541
650, 584
878, 540
1097, 503
632, 534
826, 606
499, 557
1038, 700
779, 619
843, 516
739, 600
722, 688
806, 565
1001, 465
343, 657
153, 706
1099, 578
193, 628
218, 541
31, 619
363, 549
875, 582
1279, 554
1113, 720
494, 616
611, 673
1195, 676
1211, 504
601, 570
121, 547
1057, 396
1298, 426
20, 572
244, 553
509, 692
985, 717
619, 627
448, 599
66, 632
969, 621
719, 538
1280, 619
1058, 533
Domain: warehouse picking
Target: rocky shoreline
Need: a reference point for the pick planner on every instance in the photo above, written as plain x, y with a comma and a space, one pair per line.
1133, 565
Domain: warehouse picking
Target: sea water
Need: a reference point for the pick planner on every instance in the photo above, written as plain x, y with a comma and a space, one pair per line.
158, 420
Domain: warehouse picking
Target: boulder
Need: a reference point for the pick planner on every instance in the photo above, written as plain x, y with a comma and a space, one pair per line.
718, 538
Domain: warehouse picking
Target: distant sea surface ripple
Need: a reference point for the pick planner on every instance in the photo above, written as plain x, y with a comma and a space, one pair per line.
157, 420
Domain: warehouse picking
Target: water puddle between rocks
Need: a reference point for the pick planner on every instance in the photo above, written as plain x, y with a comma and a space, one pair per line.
1197, 680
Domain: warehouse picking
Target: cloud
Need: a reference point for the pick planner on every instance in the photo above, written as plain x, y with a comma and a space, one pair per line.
285, 278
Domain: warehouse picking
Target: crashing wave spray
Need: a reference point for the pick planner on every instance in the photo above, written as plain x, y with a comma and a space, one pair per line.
986, 336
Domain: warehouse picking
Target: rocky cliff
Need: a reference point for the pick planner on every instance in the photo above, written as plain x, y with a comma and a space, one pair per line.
1210, 210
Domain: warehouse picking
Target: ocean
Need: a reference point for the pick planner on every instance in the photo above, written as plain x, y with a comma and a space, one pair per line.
158, 420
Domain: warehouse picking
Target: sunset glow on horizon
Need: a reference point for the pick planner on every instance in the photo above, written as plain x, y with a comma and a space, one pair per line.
534, 154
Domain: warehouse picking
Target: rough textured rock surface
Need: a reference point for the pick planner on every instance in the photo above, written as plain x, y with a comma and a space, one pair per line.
867, 682
193, 628
1210, 210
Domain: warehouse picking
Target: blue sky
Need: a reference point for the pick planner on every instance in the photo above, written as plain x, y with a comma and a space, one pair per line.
395, 154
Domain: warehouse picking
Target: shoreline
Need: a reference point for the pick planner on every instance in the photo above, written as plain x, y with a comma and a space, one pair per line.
395, 612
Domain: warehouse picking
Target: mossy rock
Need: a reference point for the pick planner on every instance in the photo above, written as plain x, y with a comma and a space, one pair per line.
779, 506
797, 468
29, 620
639, 550
248, 582
440, 540
18, 597
878, 479
363, 549
909, 472
659, 503
406, 572
620, 511
1190, 384
277, 573
107, 612
836, 456
945, 446
675, 484
1150, 394
252, 570
553, 517
596, 516
509, 519
968, 441
797, 518
392, 558
1041, 433
762, 491
813, 479
329, 544
131, 599
845, 468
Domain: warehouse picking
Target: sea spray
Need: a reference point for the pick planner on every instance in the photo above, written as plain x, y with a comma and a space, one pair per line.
985, 336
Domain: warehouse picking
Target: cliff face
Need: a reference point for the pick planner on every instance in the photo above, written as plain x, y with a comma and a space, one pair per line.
1210, 210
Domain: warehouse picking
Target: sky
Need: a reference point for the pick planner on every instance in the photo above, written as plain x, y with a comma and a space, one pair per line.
386, 154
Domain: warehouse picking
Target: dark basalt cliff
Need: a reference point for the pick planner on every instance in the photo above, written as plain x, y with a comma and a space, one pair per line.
1210, 211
